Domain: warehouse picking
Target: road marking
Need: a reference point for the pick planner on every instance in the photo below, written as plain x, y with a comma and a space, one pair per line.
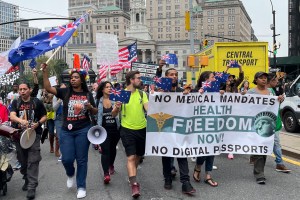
289, 160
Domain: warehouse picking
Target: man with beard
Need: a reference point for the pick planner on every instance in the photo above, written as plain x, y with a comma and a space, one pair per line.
168, 162
133, 127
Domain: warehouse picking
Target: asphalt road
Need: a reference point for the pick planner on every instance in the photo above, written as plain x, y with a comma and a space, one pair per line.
235, 179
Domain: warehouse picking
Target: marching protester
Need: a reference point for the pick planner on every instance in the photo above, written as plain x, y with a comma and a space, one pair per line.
74, 143
14, 94
111, 125
168, 162
260, 80
208, 77
58, 108
28, 112
232, 87
244, 87
161, 63
133, 127
48, 98
280, 167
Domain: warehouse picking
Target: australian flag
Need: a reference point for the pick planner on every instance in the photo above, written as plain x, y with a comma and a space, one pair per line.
170, 58
44, 41
214, 86
163, 83
120, 95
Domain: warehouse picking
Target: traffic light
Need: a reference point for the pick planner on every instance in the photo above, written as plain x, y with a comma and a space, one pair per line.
187, 21
274, 49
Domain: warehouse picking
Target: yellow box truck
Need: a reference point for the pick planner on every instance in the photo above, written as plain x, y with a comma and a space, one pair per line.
253, 56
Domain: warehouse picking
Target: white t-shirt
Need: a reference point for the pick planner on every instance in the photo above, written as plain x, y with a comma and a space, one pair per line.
12, 96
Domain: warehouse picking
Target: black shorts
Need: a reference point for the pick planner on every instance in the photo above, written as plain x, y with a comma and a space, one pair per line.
134, 141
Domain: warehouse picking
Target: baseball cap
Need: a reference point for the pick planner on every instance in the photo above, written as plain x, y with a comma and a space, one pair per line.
259, 74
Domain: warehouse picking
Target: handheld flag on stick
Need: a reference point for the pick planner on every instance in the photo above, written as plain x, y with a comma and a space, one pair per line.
120, 95
44, 41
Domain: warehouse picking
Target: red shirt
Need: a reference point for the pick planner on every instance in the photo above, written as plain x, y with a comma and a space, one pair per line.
3, 113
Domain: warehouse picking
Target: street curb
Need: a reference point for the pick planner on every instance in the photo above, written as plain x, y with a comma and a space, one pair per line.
291, 154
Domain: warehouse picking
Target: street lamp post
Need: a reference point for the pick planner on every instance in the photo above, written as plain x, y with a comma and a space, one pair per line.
273, 27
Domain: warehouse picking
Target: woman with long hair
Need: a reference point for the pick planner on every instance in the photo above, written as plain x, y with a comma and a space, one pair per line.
78, 106
244, 87
205, 77
111, 125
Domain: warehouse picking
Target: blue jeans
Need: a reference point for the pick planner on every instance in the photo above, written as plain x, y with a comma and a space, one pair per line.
58, 124
209, 162
277, 148
75, 145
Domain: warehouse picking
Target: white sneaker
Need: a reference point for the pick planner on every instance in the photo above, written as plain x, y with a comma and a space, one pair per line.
215, 167
70, 182
81, 193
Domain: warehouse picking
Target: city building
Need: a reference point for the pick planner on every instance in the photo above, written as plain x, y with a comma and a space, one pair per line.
122, 4
294, 28
26, 31
226, 19
8, 32
111, 20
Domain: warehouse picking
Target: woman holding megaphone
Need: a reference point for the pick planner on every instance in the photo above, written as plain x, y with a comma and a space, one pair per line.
111, 125
78, 103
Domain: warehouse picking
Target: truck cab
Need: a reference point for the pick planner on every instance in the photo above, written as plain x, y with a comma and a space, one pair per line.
290, 107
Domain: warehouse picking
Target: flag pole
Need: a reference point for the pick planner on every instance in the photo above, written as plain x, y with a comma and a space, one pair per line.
50, 58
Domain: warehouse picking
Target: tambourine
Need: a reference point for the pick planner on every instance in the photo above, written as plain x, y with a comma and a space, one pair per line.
27, 138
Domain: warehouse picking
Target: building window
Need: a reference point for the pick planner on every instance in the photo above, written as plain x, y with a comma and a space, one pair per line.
159, 2
160, 8
177, 13
168, 14
160, 15
177, 7
208, 12
167, 8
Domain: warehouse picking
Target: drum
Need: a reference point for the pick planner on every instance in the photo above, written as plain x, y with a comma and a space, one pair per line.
27, 138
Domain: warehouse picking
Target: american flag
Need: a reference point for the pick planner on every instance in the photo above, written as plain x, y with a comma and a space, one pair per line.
127, 55
86, 63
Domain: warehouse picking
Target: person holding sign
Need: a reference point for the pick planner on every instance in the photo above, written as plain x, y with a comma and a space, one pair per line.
168, 162
111, 125
263, 124
233, 83
133, 127
203, 85
74, 144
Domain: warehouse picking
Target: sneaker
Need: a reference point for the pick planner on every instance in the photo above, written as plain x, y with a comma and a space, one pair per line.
106, 179
111, 170
282, 168
168, 184
215, 167
17, 166
135, 188
261, 181
193, 159
187, 188
230, 156
70, 182
81, 193
59, 159
31, 194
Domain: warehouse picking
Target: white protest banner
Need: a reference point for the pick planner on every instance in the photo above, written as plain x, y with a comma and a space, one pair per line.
52, 81
107, 49
194, 125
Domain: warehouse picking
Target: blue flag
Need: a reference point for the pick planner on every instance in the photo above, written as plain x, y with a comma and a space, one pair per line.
170, 58
44, 41
32, 64
163, 83
214, 86
120, 95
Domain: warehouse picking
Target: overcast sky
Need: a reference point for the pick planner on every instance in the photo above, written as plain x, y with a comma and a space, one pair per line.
260, 12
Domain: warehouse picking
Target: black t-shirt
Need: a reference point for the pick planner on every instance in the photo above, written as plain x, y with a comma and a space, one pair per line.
108, 121
38, 111
75, 116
